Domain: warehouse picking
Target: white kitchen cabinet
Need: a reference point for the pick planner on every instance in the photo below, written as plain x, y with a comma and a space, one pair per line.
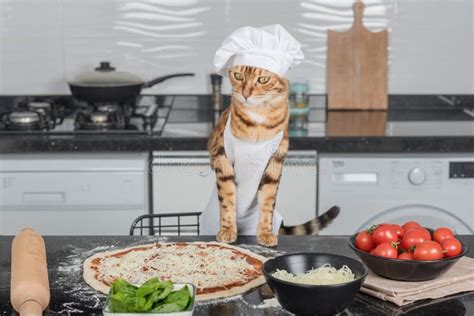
72, 194
296, 199
183, 182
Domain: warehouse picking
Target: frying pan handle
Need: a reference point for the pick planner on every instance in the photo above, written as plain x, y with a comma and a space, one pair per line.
155, 81
3, 117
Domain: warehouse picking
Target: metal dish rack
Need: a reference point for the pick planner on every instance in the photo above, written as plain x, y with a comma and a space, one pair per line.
166, 224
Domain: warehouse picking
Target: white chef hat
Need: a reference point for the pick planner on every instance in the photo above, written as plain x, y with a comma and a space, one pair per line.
269, 47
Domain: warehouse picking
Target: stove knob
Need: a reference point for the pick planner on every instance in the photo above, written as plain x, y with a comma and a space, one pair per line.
417, 176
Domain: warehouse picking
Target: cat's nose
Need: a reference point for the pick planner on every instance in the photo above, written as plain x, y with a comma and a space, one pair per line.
246, 92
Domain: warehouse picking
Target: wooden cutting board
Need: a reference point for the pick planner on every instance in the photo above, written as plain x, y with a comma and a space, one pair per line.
356, 123
357, 67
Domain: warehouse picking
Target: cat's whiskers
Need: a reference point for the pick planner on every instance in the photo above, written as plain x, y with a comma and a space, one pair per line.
256, 100
239, 97
253, 102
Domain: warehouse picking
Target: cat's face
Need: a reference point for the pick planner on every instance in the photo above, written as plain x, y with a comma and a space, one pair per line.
254, 86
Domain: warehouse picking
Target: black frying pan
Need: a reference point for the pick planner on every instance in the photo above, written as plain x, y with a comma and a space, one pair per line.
120, 92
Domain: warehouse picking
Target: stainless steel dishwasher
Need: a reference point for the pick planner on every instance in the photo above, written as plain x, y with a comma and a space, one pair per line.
183, 182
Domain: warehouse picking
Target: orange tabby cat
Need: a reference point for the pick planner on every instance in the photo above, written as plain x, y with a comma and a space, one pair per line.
259, 111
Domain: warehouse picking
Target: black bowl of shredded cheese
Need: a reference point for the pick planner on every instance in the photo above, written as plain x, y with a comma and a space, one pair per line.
314, 283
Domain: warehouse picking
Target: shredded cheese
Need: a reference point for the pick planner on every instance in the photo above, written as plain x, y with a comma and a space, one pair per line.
324, 275
202, 266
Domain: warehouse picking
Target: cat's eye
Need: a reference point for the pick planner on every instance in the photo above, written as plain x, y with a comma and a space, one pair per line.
263, 80
238, 76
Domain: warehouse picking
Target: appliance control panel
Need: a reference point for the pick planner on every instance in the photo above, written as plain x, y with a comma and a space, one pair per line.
461, 170
416, 174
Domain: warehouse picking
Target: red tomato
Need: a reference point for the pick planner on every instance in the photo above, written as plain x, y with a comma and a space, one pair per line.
428, 250
401, 249
372, 252
426, 233
384, 234
411, 238
442, 233
398, 229
409, 225
364, 241
406, 256
451, 247
386, 250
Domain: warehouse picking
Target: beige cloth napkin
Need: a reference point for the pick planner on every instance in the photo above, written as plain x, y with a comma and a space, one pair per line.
460, 278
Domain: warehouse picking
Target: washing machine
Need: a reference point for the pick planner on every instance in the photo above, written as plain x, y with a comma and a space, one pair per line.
433, 189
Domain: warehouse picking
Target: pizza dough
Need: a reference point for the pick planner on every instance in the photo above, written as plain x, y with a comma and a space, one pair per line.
218, 270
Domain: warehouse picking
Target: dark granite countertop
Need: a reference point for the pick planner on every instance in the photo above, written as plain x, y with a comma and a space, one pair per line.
426, 124
51, 144
70, 295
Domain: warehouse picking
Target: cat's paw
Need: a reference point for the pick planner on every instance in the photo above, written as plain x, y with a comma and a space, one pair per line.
267, 239
226, 235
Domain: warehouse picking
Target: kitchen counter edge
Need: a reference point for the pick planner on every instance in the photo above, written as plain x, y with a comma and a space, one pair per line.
140, 143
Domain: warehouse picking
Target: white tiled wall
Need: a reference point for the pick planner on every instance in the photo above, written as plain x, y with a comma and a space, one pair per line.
45, 43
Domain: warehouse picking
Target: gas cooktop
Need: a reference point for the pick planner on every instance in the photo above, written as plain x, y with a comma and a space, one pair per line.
188, 116
63, 115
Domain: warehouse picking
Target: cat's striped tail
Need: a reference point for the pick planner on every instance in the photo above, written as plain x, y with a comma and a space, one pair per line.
314, 226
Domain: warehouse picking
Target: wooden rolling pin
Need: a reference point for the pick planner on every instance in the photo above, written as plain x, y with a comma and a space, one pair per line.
29, 292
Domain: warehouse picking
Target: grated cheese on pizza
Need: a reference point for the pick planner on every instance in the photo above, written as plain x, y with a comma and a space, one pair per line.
211, 267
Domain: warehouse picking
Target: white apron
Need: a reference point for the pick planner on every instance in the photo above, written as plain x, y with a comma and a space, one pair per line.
249, 160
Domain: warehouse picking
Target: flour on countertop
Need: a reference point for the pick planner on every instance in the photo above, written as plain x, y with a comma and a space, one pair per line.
269, 306
219, 300
69, 280
272, 302
263, 251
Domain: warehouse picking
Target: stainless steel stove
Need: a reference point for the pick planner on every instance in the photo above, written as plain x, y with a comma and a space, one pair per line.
62, 115
104, 117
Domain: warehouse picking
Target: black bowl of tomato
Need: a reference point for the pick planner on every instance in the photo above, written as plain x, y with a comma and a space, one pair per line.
406, 270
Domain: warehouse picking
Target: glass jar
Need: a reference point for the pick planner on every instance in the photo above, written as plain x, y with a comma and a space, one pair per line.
299, 108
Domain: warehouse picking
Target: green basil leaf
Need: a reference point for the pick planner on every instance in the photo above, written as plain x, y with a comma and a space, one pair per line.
120, 285
121, 302
180, 297
148, 287
122, 296
153, 287
167, 308
153, 295
162, 291
151, 292
175, 302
